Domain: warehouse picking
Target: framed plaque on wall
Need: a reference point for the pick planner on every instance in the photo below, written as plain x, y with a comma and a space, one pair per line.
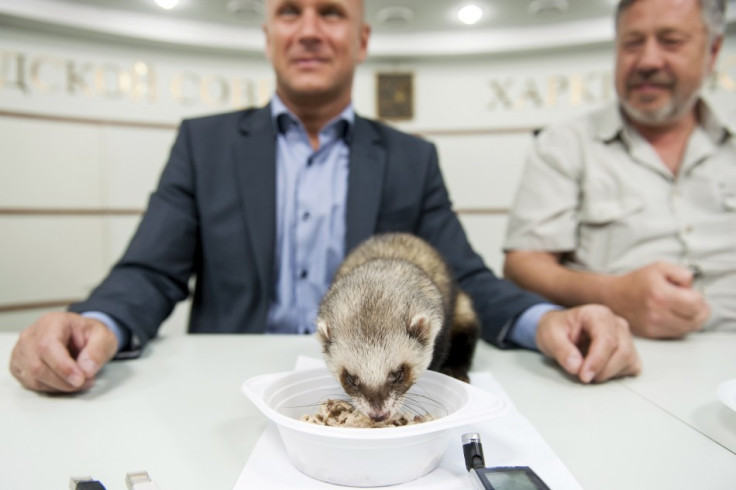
395, 96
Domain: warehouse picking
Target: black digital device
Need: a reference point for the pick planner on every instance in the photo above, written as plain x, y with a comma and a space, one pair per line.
498, 478
507, 478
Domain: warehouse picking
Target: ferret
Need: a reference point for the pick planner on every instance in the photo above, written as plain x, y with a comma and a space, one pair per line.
392, 311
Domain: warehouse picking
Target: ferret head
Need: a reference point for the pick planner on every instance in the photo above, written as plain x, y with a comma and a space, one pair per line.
377, 340
376, 372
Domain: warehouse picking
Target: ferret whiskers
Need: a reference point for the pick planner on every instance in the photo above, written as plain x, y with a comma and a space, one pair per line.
326, 398
425, 403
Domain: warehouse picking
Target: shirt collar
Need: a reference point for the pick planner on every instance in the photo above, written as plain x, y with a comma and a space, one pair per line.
283, 119
717, 128
611, 123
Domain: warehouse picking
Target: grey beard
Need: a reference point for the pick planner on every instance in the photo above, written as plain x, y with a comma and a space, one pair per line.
667, 114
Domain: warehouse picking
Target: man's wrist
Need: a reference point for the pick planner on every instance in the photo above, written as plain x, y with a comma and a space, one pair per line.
523, 332
122, 334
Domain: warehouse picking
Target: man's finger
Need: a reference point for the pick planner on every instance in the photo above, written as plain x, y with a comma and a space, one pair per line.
620, 364
677, 320
36, 375
678, 275
687, 304
556, 343
63, 372
101, 345
625, 361
54, 383
603, 343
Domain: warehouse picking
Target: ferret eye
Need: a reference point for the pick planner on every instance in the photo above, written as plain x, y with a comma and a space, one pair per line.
396, 376
351, 380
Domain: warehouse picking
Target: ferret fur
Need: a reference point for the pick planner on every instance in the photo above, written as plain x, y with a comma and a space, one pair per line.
392, 311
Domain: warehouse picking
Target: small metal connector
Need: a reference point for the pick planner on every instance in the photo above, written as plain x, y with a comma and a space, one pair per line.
473, 451
139, 480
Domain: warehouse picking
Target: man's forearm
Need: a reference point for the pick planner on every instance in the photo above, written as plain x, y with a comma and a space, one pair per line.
542, 273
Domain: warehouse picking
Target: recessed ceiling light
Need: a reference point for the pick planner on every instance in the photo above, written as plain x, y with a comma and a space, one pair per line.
470, 14
246, 8
395, 16
547, 6
167, 4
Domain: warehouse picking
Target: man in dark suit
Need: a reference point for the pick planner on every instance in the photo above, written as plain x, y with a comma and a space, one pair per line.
262, 205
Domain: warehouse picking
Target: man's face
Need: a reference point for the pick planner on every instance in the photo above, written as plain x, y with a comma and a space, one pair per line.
314, 46
662, 58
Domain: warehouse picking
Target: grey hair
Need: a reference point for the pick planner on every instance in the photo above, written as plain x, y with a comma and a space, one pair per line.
713, 12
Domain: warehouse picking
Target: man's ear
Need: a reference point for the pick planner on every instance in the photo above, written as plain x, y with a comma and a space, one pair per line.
267, 37
365, 34
715, 48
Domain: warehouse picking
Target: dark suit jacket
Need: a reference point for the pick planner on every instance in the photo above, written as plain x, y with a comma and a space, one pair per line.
213, 217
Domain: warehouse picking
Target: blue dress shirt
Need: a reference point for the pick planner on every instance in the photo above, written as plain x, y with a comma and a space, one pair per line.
311, 197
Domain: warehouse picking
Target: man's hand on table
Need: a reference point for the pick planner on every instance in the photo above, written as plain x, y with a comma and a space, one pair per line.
62, 352
589, 342
659, 301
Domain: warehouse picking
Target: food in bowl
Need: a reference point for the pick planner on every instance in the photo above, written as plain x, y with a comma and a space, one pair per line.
340, 413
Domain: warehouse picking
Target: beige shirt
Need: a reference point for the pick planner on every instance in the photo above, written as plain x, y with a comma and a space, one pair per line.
595, 188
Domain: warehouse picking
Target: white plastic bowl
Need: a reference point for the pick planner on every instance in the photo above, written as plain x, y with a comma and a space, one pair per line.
366, 457
727, 393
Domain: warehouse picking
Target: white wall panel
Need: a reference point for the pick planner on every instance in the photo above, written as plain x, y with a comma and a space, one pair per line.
135, 158
486, 233
49, 258
49, 164
482, 171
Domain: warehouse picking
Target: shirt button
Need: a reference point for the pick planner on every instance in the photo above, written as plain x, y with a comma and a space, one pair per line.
303, 274
689, 229
306, 216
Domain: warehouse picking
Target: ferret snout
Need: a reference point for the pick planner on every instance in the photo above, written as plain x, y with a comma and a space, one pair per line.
378, 416
378, 405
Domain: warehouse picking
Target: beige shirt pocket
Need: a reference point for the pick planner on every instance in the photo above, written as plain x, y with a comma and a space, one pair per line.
727, 195
607, 232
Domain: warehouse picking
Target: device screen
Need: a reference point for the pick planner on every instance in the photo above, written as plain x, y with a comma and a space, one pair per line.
511, 479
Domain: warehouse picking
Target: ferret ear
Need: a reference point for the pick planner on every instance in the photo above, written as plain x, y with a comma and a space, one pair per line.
419, 328
322, 329
323, 332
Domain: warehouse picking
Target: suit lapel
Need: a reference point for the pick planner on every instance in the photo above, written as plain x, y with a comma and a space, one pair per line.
365, 182
254, 158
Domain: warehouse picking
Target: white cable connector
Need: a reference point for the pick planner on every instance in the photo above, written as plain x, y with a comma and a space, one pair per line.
140, 481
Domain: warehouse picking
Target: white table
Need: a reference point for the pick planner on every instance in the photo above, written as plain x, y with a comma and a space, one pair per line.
178, 413
681, 376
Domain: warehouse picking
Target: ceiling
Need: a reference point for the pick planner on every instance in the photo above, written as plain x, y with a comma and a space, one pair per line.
401, 28
428, 15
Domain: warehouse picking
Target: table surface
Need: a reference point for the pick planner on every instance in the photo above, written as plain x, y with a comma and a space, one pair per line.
178, 413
